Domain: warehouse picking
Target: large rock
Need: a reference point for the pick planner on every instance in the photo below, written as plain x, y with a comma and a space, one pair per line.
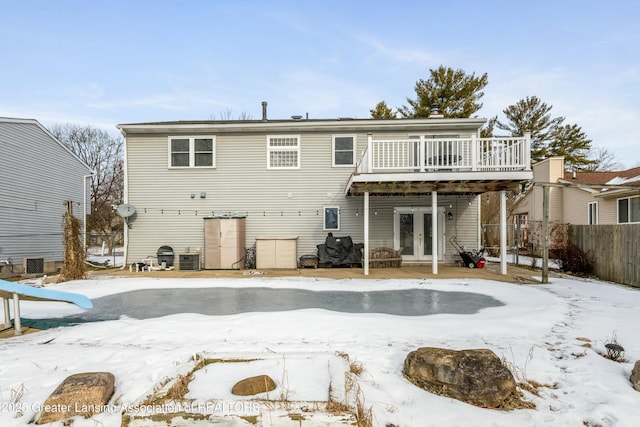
635, 376
84, 394
473, 376
253, 385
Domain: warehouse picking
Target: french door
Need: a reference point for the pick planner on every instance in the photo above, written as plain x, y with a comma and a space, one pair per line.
413, 232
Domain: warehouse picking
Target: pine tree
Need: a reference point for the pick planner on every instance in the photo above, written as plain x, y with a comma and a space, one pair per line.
454, 92
531, 115
487, 130
572, 143
549, 135
382, 111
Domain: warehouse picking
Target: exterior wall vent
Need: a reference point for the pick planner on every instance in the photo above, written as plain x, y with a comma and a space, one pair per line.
34, 265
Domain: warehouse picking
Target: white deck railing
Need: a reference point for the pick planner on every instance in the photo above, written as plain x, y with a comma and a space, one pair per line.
463, 154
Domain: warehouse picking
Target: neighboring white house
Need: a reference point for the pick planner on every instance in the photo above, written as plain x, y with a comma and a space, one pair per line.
38, 176
405, 183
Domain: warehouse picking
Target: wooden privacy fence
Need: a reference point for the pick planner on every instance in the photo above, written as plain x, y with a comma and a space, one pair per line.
613, 249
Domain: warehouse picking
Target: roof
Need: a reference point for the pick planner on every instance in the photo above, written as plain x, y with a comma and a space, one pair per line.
626, 177
301, 125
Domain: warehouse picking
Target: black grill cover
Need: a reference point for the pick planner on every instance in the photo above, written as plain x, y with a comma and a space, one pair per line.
339, 251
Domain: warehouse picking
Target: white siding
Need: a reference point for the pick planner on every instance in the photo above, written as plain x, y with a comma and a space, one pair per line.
37, 177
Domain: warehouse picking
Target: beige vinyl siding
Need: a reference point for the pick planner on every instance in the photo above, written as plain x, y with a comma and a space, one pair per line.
275, 202
607, 210
576, 204
464, 224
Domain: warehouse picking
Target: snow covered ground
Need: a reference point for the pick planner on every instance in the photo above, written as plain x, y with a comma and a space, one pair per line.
540, 332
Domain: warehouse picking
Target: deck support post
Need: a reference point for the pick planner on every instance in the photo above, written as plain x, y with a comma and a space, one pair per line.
545, 234
503, 232
434, 231
365, 261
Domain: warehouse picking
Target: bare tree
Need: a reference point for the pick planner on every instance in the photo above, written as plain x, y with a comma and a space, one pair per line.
103, 153
604, 160
227, 114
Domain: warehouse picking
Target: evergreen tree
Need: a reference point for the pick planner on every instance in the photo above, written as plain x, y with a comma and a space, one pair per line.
572, 143
382, 111
489, 127
455, 93
549, 135
531, 115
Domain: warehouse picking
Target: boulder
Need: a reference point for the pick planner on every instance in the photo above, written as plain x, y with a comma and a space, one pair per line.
253, 385
84, 394
635, 376
477, 377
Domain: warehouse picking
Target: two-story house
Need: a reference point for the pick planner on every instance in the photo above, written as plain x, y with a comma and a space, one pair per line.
39, 175
405, 183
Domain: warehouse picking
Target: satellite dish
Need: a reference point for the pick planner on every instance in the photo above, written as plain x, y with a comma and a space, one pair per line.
125, 211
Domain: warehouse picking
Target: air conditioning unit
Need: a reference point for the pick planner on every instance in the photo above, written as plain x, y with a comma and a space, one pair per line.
33, 265
189, 262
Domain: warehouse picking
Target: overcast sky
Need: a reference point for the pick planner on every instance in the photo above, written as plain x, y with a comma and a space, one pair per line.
108, 62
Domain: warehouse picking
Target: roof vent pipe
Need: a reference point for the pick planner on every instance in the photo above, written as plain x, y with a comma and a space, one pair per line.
264, 111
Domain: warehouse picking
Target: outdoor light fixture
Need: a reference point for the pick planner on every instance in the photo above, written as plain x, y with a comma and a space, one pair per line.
450, 215
203, 195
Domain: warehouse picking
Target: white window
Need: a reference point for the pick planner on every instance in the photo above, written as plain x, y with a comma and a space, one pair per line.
344, 150
592, 213
629, 210
331, 218
283, 152
192, 152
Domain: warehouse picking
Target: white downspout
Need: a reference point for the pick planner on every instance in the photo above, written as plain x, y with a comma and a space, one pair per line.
126, 200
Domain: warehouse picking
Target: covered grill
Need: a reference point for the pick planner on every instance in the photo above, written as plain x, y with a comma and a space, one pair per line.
165, 255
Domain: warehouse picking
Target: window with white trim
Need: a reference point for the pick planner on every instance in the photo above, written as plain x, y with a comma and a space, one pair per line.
283, 152
592, 213
629, 210
192, 152
331, 218
344, 150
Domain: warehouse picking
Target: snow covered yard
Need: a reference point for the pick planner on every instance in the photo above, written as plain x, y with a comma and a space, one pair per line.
540, 332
